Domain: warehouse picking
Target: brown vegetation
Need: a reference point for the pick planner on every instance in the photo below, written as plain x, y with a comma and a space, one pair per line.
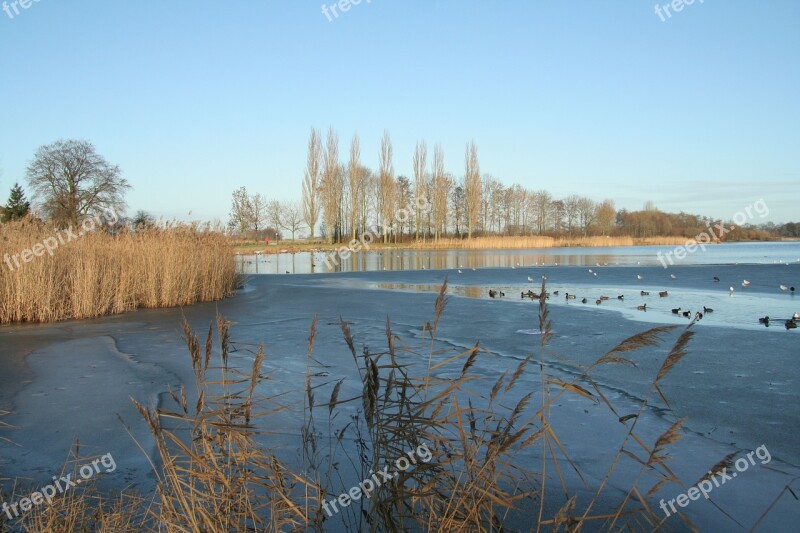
100, 274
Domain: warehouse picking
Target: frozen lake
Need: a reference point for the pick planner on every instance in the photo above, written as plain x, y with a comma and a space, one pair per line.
739, 385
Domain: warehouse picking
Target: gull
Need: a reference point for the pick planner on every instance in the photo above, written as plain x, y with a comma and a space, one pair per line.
544, 277
784, 288
638, 276
459, 271
595, 273
530, 279
473, 269
731, 289
745, 283
673, 276
591, 271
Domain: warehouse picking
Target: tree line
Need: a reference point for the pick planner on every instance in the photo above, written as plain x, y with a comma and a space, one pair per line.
341, 198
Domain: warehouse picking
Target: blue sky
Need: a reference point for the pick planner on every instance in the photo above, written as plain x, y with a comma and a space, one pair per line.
697, 113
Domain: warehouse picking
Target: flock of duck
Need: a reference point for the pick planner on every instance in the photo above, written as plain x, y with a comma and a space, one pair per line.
790, 323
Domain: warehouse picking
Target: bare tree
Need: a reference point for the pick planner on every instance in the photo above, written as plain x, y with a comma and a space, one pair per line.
331, 192
292, 217
420, 179
439, 192
71, 181
386, 185
275, 216
472, 187
356, 175
606, 215
241, 218
311, 206
586, 213
571, 211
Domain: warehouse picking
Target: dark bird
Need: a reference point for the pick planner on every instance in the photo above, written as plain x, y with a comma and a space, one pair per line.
604, 298
583, 301
502, 294
707, 310
492, 293
570, 296
791, 324
642, 307
555, 292
764, 320
676, 311
621, 297
698, 316
687, 314
716, 278
663, 294
598, 302
644, 293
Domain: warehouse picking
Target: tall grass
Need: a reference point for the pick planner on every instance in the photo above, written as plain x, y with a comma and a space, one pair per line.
98, 274
494, 447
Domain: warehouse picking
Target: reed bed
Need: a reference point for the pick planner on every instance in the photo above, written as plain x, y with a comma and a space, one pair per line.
99, 274
510, 242
216, 474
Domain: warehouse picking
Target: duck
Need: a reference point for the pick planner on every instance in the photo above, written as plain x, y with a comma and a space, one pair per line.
604, 298
676, 311
502, 294
687, 314
555, 293
707, 310
570, 296
642, 307
698, 316
621, 297
764, 320
791, 324
644, 293
583, 301
716, 279
492, 293
663, 294
796, 316
598, 302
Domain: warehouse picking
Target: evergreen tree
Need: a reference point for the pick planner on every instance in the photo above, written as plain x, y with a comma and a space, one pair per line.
17, 206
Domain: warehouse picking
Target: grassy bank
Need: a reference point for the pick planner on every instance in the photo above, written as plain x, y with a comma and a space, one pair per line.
96, 274
477, 243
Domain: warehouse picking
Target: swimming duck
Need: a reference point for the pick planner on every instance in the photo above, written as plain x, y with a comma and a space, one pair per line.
642, 307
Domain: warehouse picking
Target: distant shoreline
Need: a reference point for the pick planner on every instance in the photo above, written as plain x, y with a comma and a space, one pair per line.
484, 243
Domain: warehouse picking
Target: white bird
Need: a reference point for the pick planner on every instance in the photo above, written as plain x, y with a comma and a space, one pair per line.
731, 289
784, 288
459, 271
473, 269
590, 271
673, 276
530, 279
638, 276
595, 273
796, 316
544, 277
745, 283
513, 267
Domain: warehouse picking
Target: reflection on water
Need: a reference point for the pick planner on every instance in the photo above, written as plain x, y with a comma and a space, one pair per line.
377, 260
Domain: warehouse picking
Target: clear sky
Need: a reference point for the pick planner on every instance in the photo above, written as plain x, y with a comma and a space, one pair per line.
193, 99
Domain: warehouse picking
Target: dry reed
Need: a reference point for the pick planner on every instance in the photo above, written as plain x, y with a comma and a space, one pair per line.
100, 274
